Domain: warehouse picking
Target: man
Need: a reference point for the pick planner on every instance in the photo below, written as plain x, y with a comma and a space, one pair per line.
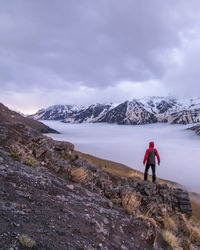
149, 159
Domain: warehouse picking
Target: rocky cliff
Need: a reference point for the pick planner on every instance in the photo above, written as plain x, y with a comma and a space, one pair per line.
51, 198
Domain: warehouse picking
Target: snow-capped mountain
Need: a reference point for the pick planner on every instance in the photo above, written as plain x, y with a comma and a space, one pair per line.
138, 111
128, 113
72, 113
89, 114
56, 112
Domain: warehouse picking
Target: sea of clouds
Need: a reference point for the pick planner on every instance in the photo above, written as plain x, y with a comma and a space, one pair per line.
179, 148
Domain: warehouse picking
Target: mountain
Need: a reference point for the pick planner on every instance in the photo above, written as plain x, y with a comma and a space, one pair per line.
52, 198
72, 113
14, 119
56, 112
128, 113
89, 114
137, 111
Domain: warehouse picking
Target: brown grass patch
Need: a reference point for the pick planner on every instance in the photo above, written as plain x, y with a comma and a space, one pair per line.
79, 174
171, 239
130, 201
192, 230
150, 209
169, 224
151, 221
111, 166
187, 224
195, 235
195, 201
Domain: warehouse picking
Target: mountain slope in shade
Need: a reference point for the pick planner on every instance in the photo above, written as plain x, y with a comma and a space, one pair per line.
138, 111
12, 118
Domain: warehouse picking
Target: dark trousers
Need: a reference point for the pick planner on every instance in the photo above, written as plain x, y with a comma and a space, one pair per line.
153, 168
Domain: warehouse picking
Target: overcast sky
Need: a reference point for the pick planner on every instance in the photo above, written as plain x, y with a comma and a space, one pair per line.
88, 51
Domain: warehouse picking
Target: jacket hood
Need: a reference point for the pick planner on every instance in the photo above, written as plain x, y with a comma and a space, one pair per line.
151, 144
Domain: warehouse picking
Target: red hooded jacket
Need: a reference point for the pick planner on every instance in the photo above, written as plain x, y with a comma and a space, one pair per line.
150, 155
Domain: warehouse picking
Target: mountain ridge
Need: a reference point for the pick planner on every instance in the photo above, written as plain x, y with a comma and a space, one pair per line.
135, 112
12, 119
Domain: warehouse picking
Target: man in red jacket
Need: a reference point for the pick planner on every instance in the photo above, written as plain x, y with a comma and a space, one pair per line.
149, 159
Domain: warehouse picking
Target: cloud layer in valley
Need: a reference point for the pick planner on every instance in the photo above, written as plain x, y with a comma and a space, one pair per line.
95, 51
127, 144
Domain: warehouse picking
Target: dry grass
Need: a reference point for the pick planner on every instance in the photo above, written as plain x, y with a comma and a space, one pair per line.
169, 224
112, 167
147, 219
192, 230
150, 209
171, 239
141, 217
152, 222
130, 201
79, 174
195, 235
116, 201
187, 224
195, 200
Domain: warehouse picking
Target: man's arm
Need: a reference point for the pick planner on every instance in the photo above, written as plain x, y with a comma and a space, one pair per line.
146, 156
158, 157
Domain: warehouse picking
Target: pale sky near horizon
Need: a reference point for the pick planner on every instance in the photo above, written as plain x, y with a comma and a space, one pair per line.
83, 52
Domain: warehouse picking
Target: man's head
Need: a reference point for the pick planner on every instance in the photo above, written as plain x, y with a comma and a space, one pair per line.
151, 144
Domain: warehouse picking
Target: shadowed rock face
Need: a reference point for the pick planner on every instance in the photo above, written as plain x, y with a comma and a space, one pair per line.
12, 119
195, 128
63, 202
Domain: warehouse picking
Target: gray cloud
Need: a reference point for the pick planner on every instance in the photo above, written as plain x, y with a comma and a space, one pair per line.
61, 46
